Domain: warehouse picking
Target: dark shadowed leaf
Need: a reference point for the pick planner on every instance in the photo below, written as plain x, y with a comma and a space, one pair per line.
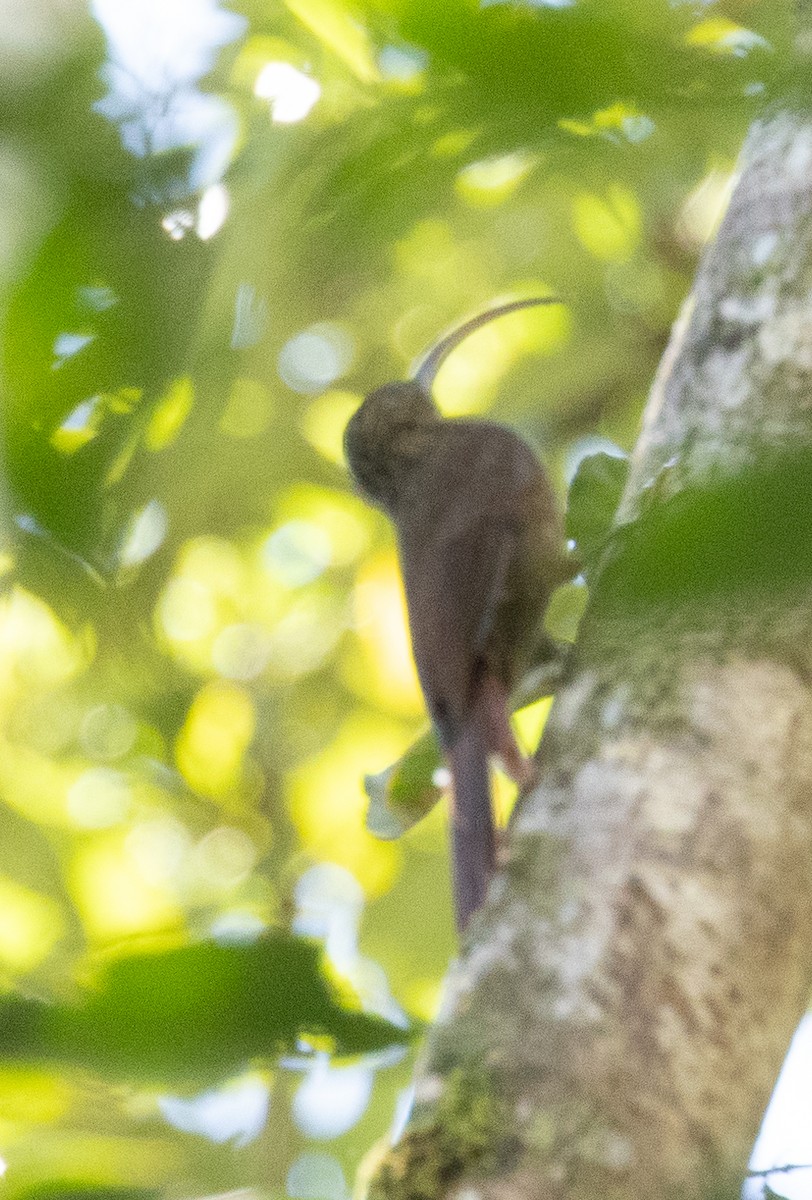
748, 530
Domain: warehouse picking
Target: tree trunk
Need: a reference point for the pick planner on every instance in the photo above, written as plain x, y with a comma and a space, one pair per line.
624, 1001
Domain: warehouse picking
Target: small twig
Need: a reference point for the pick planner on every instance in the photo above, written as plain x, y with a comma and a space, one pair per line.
779, 1170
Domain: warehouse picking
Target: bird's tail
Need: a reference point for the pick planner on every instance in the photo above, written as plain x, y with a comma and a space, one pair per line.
472, 826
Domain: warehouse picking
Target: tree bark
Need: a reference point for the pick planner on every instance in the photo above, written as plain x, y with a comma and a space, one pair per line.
622, 1005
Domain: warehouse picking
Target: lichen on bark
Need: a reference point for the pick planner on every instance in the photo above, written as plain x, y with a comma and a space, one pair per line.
469, 1129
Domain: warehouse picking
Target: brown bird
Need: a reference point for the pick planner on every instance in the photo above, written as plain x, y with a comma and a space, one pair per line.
482, 548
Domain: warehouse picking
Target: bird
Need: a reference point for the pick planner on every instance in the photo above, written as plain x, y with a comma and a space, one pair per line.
482, 547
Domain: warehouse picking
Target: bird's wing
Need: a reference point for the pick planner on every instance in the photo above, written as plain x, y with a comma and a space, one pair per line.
458, 545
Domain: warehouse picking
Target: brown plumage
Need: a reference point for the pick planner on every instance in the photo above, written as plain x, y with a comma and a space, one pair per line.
481, 546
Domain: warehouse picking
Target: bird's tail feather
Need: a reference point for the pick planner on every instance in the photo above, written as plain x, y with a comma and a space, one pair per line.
472, 826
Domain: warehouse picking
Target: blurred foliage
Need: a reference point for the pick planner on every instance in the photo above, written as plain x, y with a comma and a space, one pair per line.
219, 227
197, 1013
745, 531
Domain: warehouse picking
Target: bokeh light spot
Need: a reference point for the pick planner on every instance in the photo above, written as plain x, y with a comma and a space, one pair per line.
304, 637
218, 730
108, 732
329, 901
114, 896
158, 847
100, 797
297, 553
235, 1113
403, 65
224, 857
144, 534
325, 421
67, 345
240, 651
314, 1176
291, 94
177, 223
96, 297
385, 672
423, 997
723, 36
328, 804
33, 1096
345, 519
212, 211
214, 563
530, 721
187, 610
79, 427
453, 143
491, 181
30, 925
237, 927
36, 649
313, 359
330, 1100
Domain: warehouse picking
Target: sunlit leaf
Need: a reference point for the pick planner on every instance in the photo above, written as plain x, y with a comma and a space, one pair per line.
337, 26
170, 414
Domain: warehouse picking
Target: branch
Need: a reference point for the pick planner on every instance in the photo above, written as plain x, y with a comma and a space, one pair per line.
782, 1170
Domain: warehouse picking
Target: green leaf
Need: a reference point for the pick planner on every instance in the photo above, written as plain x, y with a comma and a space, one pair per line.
195, 1013
735, 533
592, 502
535, 55
404, 793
